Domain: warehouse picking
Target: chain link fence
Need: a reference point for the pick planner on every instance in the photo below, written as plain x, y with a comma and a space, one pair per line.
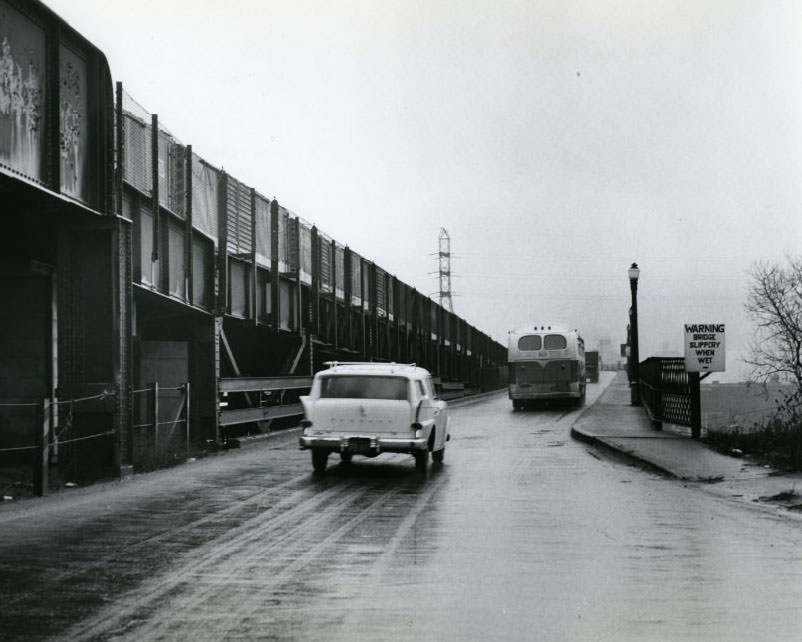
161, 425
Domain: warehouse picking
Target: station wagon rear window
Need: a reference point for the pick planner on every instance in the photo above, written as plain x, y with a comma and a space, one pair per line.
363, 387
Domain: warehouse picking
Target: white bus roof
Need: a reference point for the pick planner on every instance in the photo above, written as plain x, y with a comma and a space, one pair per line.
544, 327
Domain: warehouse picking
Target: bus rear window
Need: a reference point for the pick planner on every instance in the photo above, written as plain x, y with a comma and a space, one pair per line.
529, 342
554, 342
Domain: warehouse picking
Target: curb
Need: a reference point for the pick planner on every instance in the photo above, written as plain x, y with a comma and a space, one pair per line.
249, 440
632, 457
456, 401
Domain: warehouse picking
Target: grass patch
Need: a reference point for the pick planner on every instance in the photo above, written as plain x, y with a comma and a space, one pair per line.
777, 441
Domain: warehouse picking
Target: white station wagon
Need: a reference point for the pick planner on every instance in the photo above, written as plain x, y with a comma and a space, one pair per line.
372, 408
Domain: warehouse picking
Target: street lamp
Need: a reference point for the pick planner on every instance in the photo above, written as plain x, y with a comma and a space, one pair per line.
634, 391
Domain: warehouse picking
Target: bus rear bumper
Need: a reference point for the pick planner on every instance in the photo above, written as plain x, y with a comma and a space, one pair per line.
524, 393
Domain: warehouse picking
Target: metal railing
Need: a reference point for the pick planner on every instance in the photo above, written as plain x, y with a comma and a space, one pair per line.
52, 429
265, 399
670, 394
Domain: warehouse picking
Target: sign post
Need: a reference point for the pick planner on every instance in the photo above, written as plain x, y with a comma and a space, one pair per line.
704, 353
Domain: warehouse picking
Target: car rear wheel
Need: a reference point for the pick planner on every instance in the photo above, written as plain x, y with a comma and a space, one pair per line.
421, 460
438, 455
319, 459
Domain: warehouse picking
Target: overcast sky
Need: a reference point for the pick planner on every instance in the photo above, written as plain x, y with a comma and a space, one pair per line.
556, 141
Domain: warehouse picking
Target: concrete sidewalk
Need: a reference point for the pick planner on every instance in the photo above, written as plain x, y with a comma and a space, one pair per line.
612, 422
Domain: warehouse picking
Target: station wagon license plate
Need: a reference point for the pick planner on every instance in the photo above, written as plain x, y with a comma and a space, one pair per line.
359, 445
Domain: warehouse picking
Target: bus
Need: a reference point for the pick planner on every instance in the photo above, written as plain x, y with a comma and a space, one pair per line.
546, 362
593, 365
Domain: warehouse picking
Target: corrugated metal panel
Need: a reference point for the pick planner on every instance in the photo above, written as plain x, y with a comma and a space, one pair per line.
339, 270
171, 161
148, 274
178, 188
177, 274
367, 295
292, 243
56, 105
205, 182
283, 239
356, 279
23, 94
398, 301
171, 174
75, 125
286, 306
164, 170
238, 217
138, 156
305, 248
240, 292
128, 207
263, 242
202, 272
326, 264
381, 290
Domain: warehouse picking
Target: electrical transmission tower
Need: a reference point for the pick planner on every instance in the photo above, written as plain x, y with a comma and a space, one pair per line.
444, 260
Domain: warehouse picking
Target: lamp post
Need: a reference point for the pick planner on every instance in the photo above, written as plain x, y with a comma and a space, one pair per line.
634, 273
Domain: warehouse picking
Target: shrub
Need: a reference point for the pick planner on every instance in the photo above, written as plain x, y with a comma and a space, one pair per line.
778, 440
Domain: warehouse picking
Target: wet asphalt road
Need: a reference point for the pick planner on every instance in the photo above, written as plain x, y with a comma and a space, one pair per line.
522, 534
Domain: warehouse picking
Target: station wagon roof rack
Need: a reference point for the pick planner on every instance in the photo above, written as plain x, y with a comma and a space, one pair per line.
332, 364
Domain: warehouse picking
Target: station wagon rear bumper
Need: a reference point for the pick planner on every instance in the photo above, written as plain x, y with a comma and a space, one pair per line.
363, 444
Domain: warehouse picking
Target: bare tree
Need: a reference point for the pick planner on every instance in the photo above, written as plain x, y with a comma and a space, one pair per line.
774, 303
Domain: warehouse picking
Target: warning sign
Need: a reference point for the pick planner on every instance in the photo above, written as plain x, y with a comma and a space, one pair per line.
704, 347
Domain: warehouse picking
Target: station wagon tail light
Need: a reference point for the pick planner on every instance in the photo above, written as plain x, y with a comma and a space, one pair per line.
305, 423
416, 427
